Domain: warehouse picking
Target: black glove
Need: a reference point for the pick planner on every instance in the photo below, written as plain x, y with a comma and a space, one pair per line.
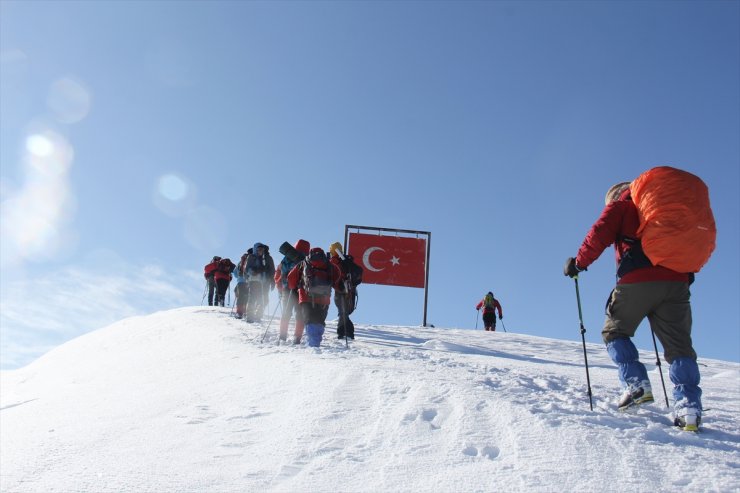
571, 268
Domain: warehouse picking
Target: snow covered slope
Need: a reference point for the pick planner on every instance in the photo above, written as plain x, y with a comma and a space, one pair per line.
192, 400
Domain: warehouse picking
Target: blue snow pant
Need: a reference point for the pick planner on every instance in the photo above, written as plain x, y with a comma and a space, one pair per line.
667, 308
314, 315
314, 334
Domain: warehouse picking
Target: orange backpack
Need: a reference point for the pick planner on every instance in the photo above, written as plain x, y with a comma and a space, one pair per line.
677, 228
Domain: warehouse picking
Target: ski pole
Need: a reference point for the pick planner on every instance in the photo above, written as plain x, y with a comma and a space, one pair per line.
205, 291
476, 319
502, 324
660, 368
583, 338
271, 318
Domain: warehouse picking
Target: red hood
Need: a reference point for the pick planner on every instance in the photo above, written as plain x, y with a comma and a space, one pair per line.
302, 246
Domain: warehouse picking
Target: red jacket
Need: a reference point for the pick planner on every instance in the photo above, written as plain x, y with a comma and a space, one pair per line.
209, 269
490, 309
295, 280
220, 273
285, 265
619, 220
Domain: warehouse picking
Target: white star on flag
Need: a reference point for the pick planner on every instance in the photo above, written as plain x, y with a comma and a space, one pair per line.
395, 260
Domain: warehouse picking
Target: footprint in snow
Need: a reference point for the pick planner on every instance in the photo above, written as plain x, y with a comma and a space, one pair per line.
487, 452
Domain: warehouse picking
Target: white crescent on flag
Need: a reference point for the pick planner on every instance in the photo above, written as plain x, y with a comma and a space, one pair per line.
366, 258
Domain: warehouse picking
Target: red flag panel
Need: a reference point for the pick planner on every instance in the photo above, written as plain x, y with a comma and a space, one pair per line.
391, 260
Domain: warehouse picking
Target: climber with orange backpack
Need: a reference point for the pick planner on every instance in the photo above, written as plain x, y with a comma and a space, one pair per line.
663, 231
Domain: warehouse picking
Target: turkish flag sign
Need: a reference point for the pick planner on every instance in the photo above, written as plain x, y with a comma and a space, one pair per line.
391, 260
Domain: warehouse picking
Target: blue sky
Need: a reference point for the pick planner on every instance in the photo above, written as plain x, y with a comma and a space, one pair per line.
138, 139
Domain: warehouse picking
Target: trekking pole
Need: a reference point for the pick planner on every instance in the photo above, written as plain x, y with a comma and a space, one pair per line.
268, 301
205, 292
660, 368
502, 324
476, 319
344, 303
236, 299
583, 338
346, 317
265, 290
270, 322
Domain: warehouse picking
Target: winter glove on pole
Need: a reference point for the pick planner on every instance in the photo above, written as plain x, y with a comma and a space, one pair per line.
571, 268
583, 338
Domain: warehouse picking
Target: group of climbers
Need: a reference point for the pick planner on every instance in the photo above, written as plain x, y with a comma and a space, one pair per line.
663, 231
305, 279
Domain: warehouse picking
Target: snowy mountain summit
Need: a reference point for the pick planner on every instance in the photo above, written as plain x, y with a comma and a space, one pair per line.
192, 400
